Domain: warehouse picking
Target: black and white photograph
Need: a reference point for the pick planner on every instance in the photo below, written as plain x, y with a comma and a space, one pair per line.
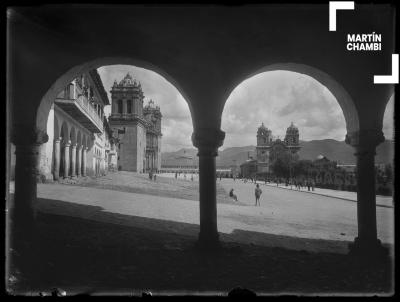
200, 149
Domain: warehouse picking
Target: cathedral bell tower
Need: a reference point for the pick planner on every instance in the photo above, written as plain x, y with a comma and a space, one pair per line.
264, 139
128, 123
292, 139
152, 115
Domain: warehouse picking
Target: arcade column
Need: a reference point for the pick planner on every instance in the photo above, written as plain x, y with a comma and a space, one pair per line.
66, 158
79, 160
22, 211
365, 142
207, 141
73, 160
56, 169
84, 150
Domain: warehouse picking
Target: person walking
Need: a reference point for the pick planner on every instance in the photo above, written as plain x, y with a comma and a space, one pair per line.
257, 193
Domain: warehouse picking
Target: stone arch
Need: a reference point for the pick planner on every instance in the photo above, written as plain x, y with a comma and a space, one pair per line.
339, 92
84, 141
60, 83
64, 132
79, 138
72, 135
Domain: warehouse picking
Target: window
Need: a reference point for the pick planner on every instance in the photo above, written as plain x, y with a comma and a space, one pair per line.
119, 106
129, 106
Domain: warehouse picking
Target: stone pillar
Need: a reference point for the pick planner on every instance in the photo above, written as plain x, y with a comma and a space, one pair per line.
207, 141
66, 158
84, 149
22, 211
73, 160
365, 143
79, 160
56, 168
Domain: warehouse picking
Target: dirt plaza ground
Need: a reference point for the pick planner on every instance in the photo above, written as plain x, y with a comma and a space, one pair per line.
104, 235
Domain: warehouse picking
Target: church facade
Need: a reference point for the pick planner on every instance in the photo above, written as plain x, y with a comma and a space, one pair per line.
269, 149
136, 127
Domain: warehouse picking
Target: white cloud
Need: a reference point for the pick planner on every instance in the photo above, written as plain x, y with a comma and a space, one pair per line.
276, 98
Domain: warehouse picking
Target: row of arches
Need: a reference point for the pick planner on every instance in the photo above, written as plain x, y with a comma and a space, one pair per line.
70, 150
208, 140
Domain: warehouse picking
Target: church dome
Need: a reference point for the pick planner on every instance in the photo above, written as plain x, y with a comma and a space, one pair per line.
262, 130
262, 126
292, 128
127, 81
320, 156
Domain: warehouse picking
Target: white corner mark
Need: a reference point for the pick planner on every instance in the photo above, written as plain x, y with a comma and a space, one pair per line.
333, 7
390, 79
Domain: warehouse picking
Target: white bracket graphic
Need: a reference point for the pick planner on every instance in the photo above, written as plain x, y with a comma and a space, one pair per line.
333, 7
390, 79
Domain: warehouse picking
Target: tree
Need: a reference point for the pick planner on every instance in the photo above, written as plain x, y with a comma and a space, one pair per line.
302, 167
281, 168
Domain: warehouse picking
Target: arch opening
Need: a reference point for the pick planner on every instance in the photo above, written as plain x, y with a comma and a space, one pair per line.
285, 128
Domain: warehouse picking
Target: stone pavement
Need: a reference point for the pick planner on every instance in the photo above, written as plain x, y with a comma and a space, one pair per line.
384, 201
284, 213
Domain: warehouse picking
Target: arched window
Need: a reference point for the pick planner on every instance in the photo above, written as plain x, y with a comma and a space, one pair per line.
119, 106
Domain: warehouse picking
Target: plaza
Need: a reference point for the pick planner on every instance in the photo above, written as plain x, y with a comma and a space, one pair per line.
297, 224
174, 234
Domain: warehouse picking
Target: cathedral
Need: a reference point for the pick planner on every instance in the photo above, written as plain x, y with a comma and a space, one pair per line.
269, 149
136, 127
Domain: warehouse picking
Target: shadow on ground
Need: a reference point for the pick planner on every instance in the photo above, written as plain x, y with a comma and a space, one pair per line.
129, 254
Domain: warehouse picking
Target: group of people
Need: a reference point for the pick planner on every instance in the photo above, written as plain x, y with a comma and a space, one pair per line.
184, 176
298, 184
257, 193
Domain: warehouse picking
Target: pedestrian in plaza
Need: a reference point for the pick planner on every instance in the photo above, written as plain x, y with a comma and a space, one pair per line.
257, 193
232, 195
155, 175
176, 175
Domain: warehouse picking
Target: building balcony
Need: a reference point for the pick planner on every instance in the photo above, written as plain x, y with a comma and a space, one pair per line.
82, 111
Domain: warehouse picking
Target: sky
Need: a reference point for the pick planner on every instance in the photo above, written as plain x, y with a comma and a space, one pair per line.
275, 98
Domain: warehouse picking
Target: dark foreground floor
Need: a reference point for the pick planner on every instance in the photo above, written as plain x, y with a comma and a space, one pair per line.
79, 256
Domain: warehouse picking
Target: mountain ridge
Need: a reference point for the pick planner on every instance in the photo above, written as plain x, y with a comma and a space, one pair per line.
334, 150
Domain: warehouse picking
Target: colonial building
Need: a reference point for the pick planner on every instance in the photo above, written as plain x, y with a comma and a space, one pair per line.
269, 149
80, 139
137, 128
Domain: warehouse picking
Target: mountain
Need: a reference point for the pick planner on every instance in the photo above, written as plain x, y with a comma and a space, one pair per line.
341, 152
334, 150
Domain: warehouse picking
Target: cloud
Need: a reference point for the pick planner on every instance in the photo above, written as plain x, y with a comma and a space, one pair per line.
276, 98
